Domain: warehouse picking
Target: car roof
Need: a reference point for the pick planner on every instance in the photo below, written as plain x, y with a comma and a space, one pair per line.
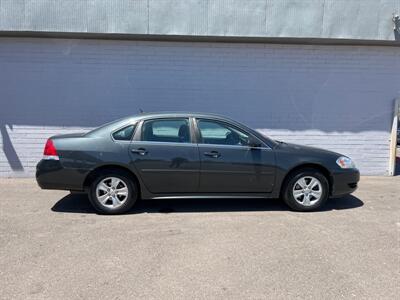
149, 115
177, 114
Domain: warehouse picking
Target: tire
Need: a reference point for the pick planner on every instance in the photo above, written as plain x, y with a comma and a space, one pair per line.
113, 193
307, 195
77, 192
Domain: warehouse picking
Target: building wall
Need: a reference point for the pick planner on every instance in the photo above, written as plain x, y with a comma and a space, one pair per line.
336, 97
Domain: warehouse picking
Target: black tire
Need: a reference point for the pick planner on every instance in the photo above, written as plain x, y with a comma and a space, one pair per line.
129, 201
77, 192
289, 198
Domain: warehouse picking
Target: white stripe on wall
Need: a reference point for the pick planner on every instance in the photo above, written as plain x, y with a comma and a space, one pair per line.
28, 143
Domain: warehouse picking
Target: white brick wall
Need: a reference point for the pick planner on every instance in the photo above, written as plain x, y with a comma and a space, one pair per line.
28, 143
337, 97
370, 160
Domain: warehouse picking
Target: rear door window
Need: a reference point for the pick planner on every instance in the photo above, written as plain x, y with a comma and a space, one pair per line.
174, 130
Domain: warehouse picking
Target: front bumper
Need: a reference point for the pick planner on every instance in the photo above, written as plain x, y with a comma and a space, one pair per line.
345, 182
50, 174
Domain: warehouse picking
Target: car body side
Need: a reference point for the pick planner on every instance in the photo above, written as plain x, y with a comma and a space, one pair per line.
84, 155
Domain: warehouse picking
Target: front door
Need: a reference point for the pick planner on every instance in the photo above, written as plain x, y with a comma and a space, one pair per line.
165, 157
231, 162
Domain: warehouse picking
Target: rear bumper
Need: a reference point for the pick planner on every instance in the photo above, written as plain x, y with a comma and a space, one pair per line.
345, 182
50, 174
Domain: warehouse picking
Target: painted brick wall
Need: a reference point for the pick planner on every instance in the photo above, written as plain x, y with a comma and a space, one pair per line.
336, 97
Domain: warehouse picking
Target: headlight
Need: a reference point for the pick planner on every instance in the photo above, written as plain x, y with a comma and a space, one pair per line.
345, 163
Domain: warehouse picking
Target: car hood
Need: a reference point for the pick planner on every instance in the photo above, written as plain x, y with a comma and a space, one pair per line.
306, 149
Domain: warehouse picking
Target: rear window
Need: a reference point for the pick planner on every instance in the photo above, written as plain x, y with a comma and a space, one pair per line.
124, 134
105, 129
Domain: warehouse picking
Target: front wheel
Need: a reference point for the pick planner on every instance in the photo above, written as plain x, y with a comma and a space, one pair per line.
113, 193
306, 190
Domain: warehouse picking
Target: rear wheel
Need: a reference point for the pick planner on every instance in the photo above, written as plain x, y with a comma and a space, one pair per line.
113, 193
306, 190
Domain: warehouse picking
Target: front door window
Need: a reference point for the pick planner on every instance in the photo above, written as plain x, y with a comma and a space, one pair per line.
217, 133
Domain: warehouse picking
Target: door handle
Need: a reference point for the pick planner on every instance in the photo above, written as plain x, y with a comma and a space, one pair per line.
139, 151
213, 154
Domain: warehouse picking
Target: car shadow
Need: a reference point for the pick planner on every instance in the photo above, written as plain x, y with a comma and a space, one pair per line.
79, 203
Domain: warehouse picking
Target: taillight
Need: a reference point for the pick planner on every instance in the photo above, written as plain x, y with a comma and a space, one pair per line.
50, 152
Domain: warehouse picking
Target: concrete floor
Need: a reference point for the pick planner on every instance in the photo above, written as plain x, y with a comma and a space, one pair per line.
53, 246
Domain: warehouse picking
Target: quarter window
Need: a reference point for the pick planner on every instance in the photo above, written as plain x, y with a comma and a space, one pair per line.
218, 133
124, 134
166, 130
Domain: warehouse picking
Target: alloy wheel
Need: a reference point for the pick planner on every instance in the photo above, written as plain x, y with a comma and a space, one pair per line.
112, 192
307, 190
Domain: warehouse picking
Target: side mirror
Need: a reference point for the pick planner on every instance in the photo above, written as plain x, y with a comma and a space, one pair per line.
254, 143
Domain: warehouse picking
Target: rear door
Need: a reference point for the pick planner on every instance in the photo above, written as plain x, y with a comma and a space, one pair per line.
232, 160
165, 156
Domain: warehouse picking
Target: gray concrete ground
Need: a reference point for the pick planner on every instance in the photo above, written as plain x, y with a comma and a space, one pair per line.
53, 246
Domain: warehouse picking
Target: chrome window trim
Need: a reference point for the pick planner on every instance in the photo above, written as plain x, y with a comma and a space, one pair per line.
164, 143
235, 146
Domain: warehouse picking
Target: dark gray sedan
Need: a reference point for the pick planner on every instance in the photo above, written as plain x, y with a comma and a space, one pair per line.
164, 155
